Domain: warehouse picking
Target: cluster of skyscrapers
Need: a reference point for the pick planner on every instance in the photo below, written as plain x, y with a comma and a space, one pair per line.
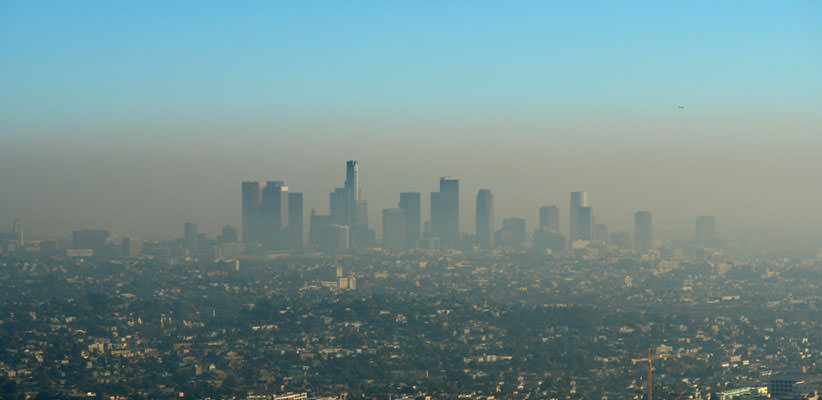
272, 219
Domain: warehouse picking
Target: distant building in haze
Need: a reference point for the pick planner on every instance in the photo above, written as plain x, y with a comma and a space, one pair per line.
339, 206
549, 218
555, 241
91, 239
352, 190
191, 240
349, 209
393, 228
411, 203
643, 235
336, 239
252, 213
584, 223
445, 213
318, 227
435, 218
131, 247
576, 228
512, 232
622, 240
275, 215
485, 219
705, 234
601, 233
296, 236
17, 231
229, 234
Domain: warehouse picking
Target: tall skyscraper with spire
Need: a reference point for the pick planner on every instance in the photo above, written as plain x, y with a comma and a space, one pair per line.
485, 218
349, 209
352, 189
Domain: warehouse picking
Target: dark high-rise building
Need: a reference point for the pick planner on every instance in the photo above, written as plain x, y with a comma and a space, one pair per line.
295, 221
485, 219
446, 220
705, 234
252, 197
584, 223
549, 218
643, 236
393, 228
191, 238
412, 204
275, 215
578, 200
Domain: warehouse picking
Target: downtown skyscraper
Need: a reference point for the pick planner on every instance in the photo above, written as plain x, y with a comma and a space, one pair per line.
274, 207
393, 229
412, 204
485, 219
252, 213
705, 231
581, 218
267, 216
549, 219
295, 221
445, 213
643, 234
349, 209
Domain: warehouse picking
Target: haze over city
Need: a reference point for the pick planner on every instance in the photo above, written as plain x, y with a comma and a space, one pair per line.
683, 110
475, 200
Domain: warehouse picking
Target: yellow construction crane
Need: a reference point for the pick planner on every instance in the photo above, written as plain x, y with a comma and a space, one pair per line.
649, 360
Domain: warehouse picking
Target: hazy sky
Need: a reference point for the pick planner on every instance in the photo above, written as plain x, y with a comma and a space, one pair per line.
138, 117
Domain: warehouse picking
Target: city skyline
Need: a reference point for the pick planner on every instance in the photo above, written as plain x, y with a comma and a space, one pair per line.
491, 200
254, 222
273, 220
289, 240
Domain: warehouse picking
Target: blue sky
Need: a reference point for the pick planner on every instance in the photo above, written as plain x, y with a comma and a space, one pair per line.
144, 114
112, 60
